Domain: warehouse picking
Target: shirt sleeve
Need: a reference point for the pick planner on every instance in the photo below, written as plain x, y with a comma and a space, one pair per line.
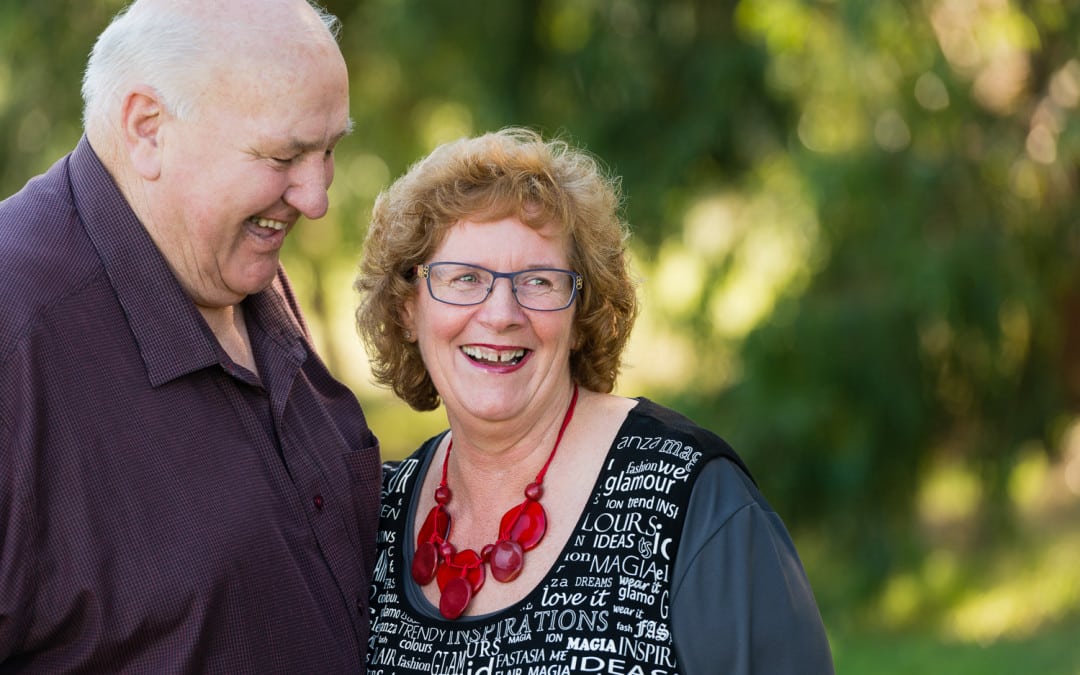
741, 603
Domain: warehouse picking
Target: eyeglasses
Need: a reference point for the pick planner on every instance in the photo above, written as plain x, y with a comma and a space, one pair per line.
542, 289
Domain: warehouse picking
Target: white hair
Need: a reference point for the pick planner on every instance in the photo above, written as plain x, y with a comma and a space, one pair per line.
168, 49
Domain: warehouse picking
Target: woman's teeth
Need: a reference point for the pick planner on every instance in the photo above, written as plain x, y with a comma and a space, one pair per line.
268, 224
493, 355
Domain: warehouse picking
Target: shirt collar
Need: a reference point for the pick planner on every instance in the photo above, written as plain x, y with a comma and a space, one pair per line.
173, 338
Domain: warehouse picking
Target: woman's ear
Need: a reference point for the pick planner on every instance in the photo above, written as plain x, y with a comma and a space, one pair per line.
142, 117
408, 322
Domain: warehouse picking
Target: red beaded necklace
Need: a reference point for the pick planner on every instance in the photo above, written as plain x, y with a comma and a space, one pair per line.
461, 573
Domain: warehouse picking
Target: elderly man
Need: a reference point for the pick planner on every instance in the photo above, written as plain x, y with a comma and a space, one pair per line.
183, 485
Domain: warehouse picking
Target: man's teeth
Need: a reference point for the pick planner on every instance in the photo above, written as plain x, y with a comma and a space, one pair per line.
269, 224
492, 355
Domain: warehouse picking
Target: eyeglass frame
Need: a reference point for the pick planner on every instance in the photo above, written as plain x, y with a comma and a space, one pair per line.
423, 271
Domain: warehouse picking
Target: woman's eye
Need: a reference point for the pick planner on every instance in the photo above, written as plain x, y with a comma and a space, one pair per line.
537, 282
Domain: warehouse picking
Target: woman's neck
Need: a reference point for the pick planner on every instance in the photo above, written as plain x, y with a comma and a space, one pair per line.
503, 455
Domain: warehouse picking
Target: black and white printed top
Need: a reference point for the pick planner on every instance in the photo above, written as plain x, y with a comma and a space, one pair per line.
676, 565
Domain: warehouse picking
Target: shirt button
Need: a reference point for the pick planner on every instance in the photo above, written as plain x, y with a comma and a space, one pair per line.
318, 501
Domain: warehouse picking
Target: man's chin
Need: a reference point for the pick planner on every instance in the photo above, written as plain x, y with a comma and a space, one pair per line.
253, 281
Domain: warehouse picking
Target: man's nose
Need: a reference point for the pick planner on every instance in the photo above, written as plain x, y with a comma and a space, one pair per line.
307, 191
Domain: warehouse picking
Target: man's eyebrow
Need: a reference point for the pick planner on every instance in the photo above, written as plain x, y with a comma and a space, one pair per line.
298, 145
343, 133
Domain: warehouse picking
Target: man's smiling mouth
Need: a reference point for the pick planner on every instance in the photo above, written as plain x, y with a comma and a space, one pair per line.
267, 223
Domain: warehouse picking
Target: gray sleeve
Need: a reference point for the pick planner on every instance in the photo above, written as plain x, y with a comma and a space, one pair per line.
741, 603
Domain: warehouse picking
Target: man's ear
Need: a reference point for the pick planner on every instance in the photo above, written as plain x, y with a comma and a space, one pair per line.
142, 117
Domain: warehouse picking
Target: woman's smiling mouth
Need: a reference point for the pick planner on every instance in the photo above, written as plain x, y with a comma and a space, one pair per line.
494, 357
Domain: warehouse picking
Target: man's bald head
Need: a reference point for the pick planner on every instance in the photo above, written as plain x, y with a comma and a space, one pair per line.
181, 48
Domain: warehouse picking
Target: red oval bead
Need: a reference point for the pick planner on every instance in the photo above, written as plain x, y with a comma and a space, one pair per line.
425, 560
436, 526
534, 491
456, 596
443, 494
526, 524
506, 562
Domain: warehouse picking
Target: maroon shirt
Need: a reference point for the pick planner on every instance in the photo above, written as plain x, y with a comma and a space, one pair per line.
162, 509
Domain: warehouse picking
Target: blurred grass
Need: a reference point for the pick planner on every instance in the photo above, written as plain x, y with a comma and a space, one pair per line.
973, 604
1051, 651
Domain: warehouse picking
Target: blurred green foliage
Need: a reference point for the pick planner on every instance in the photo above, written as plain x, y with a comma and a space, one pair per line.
855, 222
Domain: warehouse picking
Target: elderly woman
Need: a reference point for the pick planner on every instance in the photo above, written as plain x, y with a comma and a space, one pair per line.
555, 527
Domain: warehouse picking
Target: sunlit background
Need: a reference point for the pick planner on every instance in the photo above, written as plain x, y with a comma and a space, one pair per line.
856, 232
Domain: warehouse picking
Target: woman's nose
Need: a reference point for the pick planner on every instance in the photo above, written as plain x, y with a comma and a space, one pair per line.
501, 305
